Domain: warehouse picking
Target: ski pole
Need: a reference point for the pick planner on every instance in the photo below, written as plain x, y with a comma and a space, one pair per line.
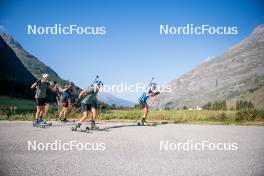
95, 80
152, 79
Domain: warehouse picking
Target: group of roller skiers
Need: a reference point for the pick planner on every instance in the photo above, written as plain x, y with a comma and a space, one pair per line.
87, 98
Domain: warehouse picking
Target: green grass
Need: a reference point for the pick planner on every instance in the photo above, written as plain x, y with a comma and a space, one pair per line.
188, 116
16, 108
21, 104
25, 111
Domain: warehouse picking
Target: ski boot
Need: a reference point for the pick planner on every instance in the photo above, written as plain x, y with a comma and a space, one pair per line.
77, 127
143, 122
94, 127
36, 123
64, 120
39, 123
43, 122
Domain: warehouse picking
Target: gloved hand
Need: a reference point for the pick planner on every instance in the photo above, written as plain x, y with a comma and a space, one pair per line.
157, 93
38, 81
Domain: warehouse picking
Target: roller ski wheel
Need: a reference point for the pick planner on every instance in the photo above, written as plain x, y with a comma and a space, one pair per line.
74, 128
143, 122
139, 124
96, 128
147, 124
99, 129
43, 126
40, 125
43, 122
87, 129
46, 124
64, 120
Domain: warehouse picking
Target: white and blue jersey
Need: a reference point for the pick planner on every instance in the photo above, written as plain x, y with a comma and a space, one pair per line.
144, 97
66, 95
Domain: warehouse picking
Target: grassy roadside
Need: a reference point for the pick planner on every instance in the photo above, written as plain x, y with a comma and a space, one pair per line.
16, 105
171, 116
24, 110
248, 117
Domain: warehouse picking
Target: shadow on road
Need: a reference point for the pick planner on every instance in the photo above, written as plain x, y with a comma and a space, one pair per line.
135, 125
112, 126
122, 126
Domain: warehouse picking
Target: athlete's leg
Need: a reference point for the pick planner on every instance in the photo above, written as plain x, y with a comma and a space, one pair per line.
42, 110
62, 112
68, 102
93, 126
85, 110
65, 111
93, 114
46, 108
84, 116
37, 112
146, 110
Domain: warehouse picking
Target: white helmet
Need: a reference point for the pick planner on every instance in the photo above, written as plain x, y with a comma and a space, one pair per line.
45, 76
153, 85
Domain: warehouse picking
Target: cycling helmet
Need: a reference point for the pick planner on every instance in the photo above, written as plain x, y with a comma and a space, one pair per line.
98, 83
45, 76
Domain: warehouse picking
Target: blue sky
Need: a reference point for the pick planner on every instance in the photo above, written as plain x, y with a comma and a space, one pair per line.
132, 49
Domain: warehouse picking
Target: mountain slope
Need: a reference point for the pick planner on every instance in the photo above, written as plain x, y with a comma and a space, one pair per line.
110, 99
14, 77
37, 68
237, 73
33, 64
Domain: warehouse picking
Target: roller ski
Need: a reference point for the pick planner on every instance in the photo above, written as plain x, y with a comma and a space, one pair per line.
78, 128
64, 120
41, 123
145, 123
96, 128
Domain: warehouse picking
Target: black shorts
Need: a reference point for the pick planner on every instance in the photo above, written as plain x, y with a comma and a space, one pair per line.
65, 103
143, 103
87, 107
41, 101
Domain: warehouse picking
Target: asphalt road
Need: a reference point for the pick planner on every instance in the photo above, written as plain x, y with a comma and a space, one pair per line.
131, 150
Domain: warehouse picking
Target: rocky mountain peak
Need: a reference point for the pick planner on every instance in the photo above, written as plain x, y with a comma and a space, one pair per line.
9, 39
237, 73
259, 30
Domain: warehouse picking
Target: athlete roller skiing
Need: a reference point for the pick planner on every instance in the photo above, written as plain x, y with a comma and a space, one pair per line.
151, 91
89, 104
66, 101
41, 98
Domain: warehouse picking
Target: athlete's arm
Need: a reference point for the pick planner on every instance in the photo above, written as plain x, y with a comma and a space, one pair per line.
82, 93
153, 94
50, 86
65, 89
35, 84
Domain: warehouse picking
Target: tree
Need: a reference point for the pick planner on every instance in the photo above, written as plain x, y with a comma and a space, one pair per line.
216, 105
